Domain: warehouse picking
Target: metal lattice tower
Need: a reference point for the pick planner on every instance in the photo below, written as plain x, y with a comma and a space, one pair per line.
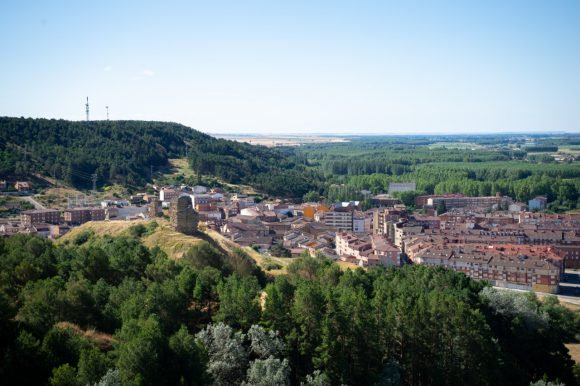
87, 108
107, 107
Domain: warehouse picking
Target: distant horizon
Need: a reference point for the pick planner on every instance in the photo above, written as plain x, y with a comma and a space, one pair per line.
298, 67
328, 134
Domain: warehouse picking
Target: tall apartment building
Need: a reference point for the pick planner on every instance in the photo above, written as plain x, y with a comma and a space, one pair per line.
339, 218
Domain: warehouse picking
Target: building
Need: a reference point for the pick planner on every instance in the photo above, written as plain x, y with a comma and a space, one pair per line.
351, 246
200, 199
198, 189
453, 201
384, 200
78, 216
384, 221
366, 253
538, 203
387, 254
49, 216
402, 187
517, 207
516, 267
167, 194
23, 186
339, 218
359, 223
3, 185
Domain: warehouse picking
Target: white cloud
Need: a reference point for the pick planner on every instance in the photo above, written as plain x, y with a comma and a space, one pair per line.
143, 74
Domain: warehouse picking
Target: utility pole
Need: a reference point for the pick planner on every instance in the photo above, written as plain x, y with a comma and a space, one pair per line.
94, 179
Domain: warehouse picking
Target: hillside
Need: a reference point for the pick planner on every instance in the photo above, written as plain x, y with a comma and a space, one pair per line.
173, 243
125, 152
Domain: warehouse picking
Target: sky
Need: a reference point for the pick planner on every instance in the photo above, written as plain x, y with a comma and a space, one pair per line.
297, 67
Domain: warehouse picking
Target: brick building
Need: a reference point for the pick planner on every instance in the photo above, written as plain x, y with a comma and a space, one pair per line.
50, 216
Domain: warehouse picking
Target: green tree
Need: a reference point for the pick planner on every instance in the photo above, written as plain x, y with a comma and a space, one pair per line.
187, 359
311, 196
64, 375
140, 352
239, 305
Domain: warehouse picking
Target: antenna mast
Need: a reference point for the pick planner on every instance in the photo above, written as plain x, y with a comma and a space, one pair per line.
87, 108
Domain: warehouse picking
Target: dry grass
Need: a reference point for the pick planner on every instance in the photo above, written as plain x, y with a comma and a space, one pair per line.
101, 228
261, 260
346, 265
102, 340
57, 197
574, 349
173, 243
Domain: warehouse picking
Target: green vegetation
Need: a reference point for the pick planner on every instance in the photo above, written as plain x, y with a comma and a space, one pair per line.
124, 151
486, 165
108, 310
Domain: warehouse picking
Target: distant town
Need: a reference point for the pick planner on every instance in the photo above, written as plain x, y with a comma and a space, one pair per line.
509, 244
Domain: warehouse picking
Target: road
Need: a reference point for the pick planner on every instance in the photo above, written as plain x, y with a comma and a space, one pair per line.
30, 199
562, 298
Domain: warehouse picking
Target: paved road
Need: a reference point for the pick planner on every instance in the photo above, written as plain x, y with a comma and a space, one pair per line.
563, 298
30, 199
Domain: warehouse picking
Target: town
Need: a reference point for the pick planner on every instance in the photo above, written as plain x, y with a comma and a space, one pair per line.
509, 244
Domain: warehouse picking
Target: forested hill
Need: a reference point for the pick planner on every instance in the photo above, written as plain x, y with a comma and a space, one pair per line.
124, 151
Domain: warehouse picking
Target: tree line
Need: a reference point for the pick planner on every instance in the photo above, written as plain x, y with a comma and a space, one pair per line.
126, 151
109, 311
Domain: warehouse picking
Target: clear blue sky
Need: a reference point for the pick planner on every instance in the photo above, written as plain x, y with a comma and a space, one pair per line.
274, 67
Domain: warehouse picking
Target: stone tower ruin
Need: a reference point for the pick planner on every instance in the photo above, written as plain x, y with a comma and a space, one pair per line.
182, 215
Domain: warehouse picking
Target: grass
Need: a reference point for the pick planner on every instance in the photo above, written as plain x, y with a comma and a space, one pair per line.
57, 197
574, 351
180, 168
261, 260
176, 244
102, 340
344, 265
173, 243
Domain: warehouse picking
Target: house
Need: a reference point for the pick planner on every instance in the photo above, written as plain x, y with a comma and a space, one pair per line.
23, 186
168, 194
538, 203
198, 189
200, 199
